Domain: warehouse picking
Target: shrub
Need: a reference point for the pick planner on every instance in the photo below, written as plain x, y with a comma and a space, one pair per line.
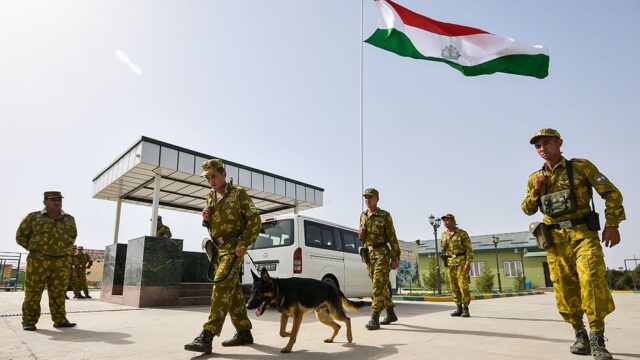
519, 283
484, 282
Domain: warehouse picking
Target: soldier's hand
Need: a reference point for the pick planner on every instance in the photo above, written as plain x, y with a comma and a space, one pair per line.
361, 233
393, 265
240, 251
538, 181
206, 213
466, 268
610, 236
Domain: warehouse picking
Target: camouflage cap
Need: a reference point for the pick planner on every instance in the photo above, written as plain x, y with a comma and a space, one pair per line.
371, 191
80, 248
211, 165
449, 216
52, 195
159, 218
544, 132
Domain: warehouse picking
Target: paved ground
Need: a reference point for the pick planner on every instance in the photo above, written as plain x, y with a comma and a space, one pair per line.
525, 327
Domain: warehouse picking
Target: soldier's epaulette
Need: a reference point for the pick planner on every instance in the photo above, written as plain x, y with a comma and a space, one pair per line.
578, 160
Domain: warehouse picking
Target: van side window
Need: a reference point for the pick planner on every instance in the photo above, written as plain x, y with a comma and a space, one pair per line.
350, 241
312, 235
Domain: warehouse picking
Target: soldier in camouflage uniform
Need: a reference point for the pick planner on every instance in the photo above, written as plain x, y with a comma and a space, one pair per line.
233, 223
83, 262
576, 259
47, 235
377, 233
73, 276
456, 245
162, 231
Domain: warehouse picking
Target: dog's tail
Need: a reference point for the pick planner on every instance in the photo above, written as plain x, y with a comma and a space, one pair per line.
351, 306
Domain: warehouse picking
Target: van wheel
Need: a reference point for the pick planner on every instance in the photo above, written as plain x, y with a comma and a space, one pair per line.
330, 281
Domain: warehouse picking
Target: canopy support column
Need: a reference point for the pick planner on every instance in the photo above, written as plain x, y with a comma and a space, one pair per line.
154, 206
116, 230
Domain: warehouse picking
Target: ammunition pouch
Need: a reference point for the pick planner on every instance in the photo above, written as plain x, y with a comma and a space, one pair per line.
364, 254
593, 221
542, 233
558, 203
210, 248
445, 260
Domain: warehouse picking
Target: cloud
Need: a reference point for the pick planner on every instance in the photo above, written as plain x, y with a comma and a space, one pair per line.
125, 59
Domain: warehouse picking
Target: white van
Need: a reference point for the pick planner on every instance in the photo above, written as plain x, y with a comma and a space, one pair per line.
301, 246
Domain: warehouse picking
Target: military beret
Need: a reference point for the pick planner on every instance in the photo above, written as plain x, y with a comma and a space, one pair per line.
211, 165
544, 132
52, 195
371, 191
445, 216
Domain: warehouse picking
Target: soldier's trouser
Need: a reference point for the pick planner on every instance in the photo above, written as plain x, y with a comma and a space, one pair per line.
227, 297
459, 284
73, 281
82, 280
54, 273
379, 260
577, 269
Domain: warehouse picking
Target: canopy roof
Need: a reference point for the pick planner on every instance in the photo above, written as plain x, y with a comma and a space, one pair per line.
131, 178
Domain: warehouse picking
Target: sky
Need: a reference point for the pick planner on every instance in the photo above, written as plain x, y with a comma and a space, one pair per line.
275, 85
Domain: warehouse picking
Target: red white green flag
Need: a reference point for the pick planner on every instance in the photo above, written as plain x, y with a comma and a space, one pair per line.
472, 51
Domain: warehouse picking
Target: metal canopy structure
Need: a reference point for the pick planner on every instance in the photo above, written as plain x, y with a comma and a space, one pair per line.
156, 173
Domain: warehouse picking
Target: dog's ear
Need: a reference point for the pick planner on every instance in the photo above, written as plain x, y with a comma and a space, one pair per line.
264, 275
255, 277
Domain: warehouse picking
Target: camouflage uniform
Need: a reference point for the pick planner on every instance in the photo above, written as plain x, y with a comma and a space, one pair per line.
232, 213
576, 259
48, 263
73, 276
83, 261
164, 232
459, 251
379, 234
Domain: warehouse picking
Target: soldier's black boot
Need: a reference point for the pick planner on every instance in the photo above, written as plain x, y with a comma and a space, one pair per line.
242, 337
598, 349
86, 295
391, 317
76, 296
374, 322
465, 311
581, 346
458, 311
202, 343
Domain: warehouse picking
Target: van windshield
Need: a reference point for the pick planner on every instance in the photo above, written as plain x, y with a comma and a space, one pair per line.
274, 234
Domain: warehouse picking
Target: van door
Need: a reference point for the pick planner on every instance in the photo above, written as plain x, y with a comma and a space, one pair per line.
322, 252
356, 276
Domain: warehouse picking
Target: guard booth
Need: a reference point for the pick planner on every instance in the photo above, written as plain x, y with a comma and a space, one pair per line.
149, 271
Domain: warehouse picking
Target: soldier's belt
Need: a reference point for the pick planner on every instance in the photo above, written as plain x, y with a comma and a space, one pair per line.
221, 240
377, 246
567, 223
456, 255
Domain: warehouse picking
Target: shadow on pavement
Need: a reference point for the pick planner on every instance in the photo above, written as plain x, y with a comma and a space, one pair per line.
517, 319
626, 355
356, 351
414, 328
80, 335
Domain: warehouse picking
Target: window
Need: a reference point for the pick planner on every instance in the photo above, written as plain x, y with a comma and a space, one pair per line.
274, 234
322, 236
477, 268
512, 268
350, 241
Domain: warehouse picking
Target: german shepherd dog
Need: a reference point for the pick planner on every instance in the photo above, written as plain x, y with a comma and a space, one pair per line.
293, 297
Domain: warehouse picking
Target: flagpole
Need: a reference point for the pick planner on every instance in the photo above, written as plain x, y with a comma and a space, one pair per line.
361, 100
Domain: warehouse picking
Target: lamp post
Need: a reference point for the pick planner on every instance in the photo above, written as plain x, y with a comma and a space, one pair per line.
435, 222
495, 241
522, 253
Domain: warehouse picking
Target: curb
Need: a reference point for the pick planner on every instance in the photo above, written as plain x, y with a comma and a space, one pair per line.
625, 291
473, 297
